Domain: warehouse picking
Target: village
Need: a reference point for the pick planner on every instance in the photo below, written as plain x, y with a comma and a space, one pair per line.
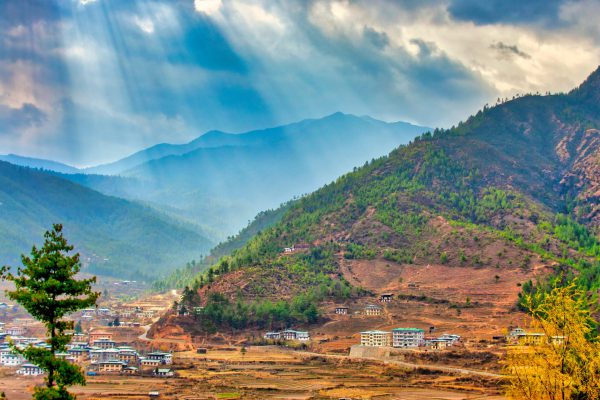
110, 342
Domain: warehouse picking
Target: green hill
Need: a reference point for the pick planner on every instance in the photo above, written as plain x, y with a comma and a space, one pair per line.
115, 237
513, 190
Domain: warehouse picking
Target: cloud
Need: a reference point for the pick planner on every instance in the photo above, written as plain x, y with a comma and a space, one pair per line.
118, 75
507, 51
208, 7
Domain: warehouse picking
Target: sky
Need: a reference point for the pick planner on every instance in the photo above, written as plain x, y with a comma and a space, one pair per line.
91, 81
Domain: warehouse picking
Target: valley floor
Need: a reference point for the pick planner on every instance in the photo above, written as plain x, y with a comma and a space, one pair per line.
275, 373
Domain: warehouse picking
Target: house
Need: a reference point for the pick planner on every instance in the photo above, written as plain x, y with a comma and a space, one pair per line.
375, 338
100, 334
100, 355
272, 335
291, 334
408, 337
128, 355
162, 357
104, 343
30, 370
288, 249
130, 371
146, 362
79, 354
373, 309
15, 330
531, 338
10, 359
341, 310
164, 372
111, 366
386, 297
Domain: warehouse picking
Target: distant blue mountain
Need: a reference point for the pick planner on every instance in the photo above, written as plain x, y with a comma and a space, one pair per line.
39, 163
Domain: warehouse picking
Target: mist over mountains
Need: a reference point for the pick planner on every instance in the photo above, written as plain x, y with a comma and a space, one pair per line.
201, 192
220, 181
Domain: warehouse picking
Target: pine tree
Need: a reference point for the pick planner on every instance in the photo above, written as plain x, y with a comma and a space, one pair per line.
47, 288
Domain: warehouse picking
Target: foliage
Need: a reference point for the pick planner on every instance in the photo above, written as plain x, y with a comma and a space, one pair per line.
115, 237
566, 364
46, 287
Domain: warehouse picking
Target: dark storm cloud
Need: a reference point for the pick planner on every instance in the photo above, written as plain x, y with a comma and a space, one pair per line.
506, 51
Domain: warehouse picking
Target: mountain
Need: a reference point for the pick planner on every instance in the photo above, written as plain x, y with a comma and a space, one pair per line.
455, 225
228, 178
39, 163
115, 237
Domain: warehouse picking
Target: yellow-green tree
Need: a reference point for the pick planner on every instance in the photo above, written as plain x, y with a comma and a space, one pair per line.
566, 363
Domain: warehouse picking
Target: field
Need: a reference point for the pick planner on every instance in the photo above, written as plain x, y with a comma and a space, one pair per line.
274, 373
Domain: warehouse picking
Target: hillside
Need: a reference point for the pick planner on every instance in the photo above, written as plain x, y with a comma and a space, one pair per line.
39, 163
114, 236
453, 224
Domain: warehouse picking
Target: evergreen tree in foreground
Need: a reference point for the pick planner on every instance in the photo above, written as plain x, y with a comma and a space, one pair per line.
46, 287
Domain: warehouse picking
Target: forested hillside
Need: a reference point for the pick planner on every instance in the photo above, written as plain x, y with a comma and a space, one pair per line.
513, 190
116, 237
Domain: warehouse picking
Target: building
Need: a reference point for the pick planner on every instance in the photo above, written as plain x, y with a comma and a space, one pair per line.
79, 354
161, 357
341, 310
10, 359
408, 337
111, 366
128, 355
386, 297
30, 370
375, 338
130, 370
97, 335
104, 343
373, 309
16, 330
164, 372
291, 334
100, 355
272, 335
146, 362
532, 338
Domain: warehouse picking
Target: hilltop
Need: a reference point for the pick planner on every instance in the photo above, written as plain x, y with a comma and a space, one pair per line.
115, 237
461, 219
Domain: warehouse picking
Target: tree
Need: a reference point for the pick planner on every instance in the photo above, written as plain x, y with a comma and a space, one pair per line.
78, 328
566, 363
46, 287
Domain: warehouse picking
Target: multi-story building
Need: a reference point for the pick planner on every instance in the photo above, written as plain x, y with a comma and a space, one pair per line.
373, 309
375, 338
291, 334
10, 359
162, 357
408, 337
341, 310
30, 370
100, 334
104, 343
111, 366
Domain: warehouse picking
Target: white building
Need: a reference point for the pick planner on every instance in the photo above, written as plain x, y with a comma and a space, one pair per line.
375, 338
162, 357
10, 359
30, 370
408, 337
373, 309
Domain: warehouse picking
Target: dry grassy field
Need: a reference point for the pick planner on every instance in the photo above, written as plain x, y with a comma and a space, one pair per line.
273, 373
